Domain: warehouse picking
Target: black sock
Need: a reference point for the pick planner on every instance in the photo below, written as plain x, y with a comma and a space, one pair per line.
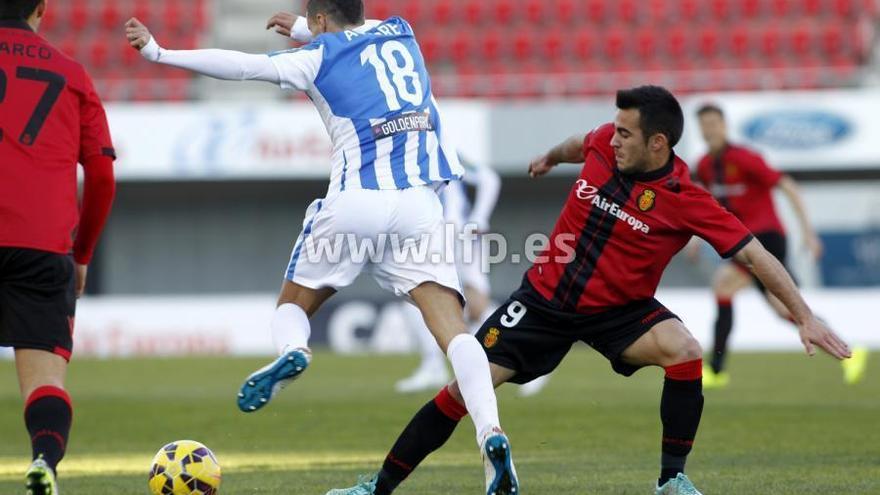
428, 430
48, 415
723, 326
680, 409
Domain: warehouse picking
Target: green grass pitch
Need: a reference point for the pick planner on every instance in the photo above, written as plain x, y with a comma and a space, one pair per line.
786, 425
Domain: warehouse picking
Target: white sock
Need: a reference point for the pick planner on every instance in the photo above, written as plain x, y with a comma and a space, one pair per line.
428, 349
290, 328
471, 369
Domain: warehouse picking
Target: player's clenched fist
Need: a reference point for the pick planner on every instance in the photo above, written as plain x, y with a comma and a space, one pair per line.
540, 166
138, 35
282, 22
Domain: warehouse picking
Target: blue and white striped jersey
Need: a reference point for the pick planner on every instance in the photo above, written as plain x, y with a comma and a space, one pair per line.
373, 92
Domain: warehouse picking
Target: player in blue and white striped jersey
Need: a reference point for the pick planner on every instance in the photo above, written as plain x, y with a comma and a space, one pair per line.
390, 156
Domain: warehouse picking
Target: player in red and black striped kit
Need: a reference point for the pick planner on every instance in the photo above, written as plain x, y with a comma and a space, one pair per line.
631, 209
743, 182
50, 120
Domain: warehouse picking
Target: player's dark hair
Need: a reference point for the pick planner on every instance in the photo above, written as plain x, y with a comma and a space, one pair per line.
659, 111
343, 12
17, 9
710, 108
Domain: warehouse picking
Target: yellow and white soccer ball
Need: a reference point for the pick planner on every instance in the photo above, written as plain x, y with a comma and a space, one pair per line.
185, 467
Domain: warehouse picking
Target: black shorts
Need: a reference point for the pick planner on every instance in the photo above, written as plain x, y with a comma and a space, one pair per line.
37, 300
776, 244
532, 339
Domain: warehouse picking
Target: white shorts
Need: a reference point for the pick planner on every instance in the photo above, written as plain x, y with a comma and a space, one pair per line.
398, 235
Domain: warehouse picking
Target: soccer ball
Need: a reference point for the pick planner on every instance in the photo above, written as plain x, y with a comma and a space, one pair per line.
185, 467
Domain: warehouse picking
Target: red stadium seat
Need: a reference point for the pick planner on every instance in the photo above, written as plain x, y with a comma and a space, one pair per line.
615, 44
174, 17
781, 9
646, 43
412, 11
463, 45
502, 11
627, 11
844, 8
99, 54
770, 41
721, 9
534, 10
832, 40
708, 41
811, 8
474, 12
55, 19
378, 9
677, 42
144, 12
596, 11
689, 9
431, 42
801, 39
739, 41
78, 15
585, 41
493, 43
443, 12
523, 44
658, 10
111, 16
750, 8
553, 44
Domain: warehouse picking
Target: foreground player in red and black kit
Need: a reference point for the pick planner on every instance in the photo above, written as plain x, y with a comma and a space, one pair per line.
50, 119
632, 208
743, 182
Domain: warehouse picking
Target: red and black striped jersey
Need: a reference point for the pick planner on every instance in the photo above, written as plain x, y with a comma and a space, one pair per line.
50, 119
618, 232
743, 183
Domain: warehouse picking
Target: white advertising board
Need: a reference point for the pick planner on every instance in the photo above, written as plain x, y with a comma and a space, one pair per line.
239, 325
241, 141
797, 130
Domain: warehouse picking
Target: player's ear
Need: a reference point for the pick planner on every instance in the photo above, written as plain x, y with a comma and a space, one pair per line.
41, 9
658, 142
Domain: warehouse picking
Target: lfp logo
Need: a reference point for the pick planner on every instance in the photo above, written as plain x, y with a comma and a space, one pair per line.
797, 129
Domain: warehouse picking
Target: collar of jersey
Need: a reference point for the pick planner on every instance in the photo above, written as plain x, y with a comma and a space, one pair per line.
15, 24
654, 174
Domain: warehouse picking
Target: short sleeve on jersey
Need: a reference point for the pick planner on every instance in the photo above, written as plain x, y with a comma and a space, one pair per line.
94, 131
757, 170
707, 219
298, 68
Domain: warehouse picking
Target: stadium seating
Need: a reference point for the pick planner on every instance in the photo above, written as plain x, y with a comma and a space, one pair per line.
92, 32
533, 48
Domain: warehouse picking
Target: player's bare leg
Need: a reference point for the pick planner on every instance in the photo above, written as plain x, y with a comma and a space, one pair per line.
428, 430
432, 371
727, 282
290, 333
444, 316
48, 414
669, 345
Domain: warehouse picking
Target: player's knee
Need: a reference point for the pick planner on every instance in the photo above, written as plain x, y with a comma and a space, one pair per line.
690, 350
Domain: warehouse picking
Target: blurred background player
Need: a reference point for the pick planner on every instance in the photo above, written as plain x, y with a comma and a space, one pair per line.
743, 182
50, 119
389, 157
470, 219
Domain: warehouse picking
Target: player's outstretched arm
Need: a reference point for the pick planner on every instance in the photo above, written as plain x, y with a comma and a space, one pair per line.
788, 186
569, 151
219, 64
772, 274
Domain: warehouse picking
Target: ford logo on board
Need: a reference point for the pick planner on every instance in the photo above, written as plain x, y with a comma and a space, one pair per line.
797, 130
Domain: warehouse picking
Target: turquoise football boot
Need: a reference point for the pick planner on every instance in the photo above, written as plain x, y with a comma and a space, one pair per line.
680, 485
259, 388
365, 486
500, 473
40, 479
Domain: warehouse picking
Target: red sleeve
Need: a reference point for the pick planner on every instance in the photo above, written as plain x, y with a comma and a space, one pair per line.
94, 130
758, 171
707, 219
98, 191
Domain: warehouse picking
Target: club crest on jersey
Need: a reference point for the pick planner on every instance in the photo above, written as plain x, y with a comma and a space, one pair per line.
491, 338
647, 199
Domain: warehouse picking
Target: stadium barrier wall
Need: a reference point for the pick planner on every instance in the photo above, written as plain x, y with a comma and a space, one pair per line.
109, 327
820, 130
